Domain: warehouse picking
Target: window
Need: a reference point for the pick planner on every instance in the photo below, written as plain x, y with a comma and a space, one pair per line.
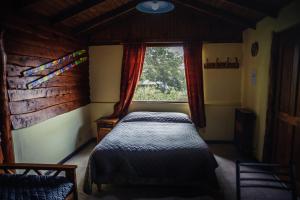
163, 76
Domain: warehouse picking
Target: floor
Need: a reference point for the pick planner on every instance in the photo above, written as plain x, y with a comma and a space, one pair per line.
225, 154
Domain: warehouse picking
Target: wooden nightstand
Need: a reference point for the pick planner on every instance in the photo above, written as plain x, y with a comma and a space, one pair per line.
244, 129
104, 126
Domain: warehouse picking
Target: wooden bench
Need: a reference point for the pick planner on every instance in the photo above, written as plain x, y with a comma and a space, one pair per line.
276, 176
50, 170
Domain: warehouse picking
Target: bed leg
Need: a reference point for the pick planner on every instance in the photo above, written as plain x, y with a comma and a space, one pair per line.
99, 186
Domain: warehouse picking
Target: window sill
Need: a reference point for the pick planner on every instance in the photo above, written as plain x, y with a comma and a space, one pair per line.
161, 102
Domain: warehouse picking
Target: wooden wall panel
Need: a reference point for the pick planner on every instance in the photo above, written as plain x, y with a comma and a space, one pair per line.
15, 70
38, 29
5, 125
28, 47
26, 60
1, 153
19, 95
29, 119
47, 43
182, 25
33, 105
58, 81
19, 48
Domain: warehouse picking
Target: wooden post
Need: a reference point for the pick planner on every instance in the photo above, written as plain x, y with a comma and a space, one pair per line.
6, 136
71, 175
1, 154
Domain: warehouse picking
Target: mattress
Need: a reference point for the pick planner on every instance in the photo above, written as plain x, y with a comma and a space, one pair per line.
151, 148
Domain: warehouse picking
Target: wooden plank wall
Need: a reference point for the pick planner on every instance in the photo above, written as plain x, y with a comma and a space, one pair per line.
29, 46
6, 153
179, 26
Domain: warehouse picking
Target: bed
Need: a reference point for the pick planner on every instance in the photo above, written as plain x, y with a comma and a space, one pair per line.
160, 148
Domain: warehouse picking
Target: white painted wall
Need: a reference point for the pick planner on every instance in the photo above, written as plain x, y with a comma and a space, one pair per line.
54, 139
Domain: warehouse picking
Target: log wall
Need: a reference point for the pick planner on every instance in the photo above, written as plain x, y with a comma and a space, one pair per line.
30, 46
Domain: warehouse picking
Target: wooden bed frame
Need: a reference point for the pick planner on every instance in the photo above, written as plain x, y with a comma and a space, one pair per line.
51, 170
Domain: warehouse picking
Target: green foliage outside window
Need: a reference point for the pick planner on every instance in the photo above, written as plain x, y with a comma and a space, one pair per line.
163, 77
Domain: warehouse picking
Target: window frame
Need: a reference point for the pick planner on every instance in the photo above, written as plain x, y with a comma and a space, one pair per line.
167, 44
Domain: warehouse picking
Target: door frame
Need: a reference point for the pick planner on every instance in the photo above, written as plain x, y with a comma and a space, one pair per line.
273, 93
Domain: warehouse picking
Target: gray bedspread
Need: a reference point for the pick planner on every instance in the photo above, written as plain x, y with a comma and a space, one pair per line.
151, 150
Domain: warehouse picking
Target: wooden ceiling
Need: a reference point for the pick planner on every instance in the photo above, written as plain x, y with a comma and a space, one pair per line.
88, 17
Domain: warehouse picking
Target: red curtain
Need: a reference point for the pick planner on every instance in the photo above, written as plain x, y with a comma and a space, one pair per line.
133, 59
194, 80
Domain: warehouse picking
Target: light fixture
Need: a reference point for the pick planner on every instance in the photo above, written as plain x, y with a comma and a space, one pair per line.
155, 7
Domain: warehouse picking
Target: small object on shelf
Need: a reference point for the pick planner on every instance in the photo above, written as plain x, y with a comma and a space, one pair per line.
104, 126
222, 65
244, 130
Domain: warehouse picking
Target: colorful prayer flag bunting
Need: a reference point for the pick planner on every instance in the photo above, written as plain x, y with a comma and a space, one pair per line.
56, 73
53, 63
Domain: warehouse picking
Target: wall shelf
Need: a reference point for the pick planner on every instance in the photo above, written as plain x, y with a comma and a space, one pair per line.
222, 65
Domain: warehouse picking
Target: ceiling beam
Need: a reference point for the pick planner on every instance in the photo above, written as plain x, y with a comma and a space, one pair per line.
25, 3
218, 13
74, 10
256, 6
111, 15
16, 5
